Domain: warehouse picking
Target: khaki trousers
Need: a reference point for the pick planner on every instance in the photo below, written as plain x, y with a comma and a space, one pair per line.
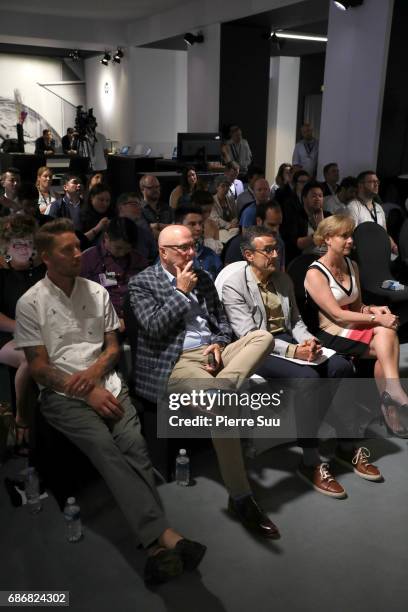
240, 360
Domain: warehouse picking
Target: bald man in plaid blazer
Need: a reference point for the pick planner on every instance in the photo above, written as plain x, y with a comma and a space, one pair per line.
181, 323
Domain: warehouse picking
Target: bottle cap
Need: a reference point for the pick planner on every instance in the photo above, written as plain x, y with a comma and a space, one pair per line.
71, 500
182, 451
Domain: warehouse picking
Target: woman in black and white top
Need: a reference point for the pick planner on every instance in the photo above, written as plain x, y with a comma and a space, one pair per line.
350, 327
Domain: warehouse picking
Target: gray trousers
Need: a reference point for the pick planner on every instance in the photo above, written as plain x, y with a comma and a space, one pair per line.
118, 451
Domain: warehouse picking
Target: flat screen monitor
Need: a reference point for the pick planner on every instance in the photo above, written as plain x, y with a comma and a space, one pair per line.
195, 147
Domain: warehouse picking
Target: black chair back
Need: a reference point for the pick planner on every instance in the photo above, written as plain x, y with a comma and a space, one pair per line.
372, 253
297, 269
403, 243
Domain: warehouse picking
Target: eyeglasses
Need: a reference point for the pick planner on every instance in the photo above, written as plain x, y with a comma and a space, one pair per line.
373, 182
268, 250
184, 248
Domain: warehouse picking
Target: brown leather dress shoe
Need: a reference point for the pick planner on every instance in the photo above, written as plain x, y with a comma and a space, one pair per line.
357, 460
248, 512
321, 480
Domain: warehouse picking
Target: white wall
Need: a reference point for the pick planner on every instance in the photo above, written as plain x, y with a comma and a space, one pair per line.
203, 70
143, 100
356, 62
282, 113
44, 109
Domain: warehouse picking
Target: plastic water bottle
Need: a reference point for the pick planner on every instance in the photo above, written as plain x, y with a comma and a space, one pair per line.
72, 516
32, 491
183, 468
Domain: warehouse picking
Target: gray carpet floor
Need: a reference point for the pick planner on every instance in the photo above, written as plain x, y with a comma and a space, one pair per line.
334, 555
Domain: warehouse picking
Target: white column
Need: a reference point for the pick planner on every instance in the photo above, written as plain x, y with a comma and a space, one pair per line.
282, 113
203, 82
356, 62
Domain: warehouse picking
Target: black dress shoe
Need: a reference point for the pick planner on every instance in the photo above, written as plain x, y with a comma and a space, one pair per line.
163, 566
190, 552
251, 516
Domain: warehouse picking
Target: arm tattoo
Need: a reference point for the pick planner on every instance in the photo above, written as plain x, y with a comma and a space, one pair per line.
42, 372
108, 359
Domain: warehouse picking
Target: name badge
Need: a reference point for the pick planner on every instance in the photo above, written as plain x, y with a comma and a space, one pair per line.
108, 279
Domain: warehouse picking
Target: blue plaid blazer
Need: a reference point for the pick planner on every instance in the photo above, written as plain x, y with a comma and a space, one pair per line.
160, 314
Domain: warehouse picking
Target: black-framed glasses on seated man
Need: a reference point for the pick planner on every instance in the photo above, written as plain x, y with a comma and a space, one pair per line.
184, 248
268, 250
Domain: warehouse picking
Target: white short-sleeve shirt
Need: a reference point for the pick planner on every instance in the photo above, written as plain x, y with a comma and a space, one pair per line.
361, 214
71, 328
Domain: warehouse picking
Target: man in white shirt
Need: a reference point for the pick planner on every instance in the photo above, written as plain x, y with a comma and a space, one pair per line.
306, 151
337, 203
236, 186
67, 328
248, 196
364, 207
98, 153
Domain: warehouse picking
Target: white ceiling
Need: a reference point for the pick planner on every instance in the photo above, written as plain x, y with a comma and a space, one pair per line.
97, 9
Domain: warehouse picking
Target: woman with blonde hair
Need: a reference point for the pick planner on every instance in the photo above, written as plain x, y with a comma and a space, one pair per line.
45, 193
350, 327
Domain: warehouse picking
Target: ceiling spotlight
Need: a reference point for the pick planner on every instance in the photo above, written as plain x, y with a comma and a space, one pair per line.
106, 59
279, 44
118, 56
344, 5
74, 55
190, 38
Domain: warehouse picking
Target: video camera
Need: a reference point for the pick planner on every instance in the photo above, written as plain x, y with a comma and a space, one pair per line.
85, 124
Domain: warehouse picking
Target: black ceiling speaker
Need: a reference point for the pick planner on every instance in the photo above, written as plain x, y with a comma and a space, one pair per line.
191, 39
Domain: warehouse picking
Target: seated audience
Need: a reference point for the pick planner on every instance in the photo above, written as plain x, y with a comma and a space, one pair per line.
95, 179
331, 175
258, 296
181, 195
204, 258
269, 215
224, 211
180, 323
306, 151
158, 214
301, 223
248, 196
364, 207
70, 143
262, 194
71, 203
96, 213
231, 172
337, 203
67, 328
22, 269
129, 206
10, 182
350, 327
27, 198
237, 149
45, 144
113, 261
283, 178
205, 201
45, 192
